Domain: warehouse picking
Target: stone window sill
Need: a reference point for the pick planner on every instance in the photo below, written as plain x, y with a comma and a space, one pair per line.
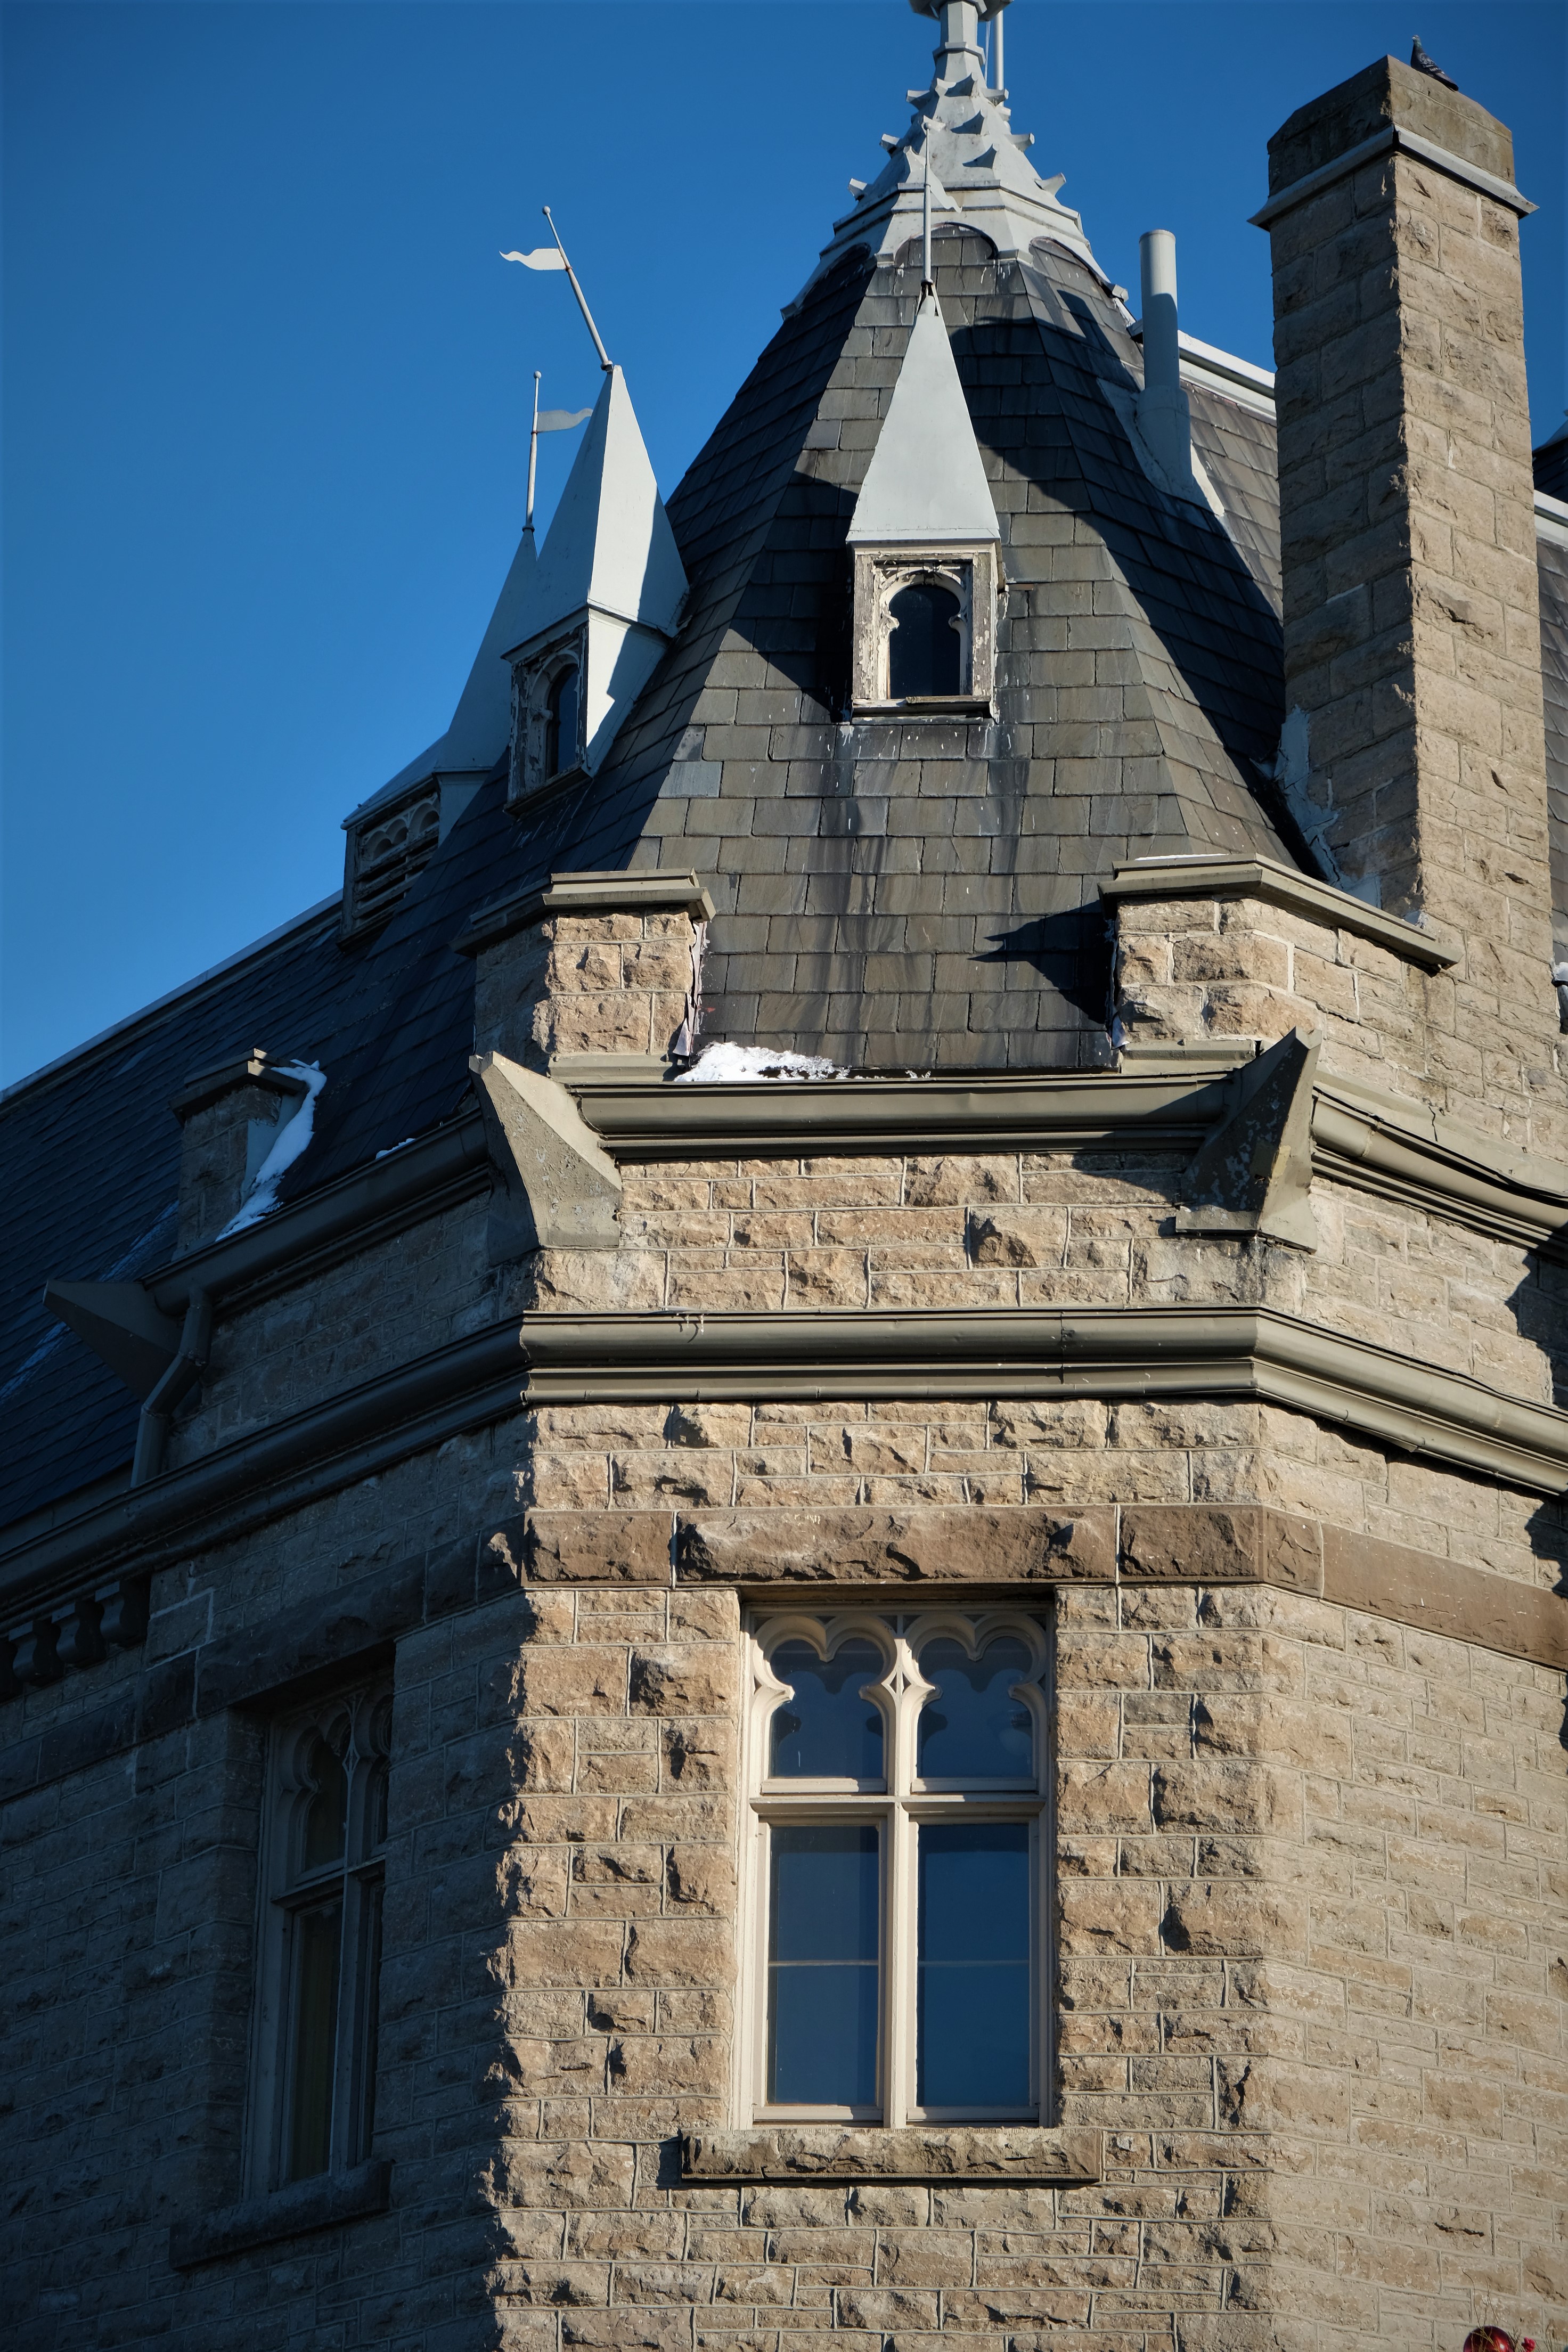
287, 2213
929, 706
975, 2152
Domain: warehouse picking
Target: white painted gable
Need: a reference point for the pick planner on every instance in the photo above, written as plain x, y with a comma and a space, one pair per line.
610, 565
926, 483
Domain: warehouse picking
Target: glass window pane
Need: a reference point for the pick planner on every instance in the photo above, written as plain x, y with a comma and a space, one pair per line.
974, 1990
824, 1941
972, 1730
326, 1816
923, 650
313, 2040
825, 1730
370, 2018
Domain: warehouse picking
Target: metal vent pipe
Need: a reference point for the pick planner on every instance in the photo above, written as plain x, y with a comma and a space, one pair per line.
1157, 262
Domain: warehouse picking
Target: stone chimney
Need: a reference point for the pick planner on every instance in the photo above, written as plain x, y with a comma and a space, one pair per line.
1413, 753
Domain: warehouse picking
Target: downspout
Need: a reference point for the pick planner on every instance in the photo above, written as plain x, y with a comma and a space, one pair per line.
152, 1429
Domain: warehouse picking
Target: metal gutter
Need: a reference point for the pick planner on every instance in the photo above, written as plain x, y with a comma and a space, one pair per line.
653, 1119
356, 1210
828, 1356
1359, 1143
293, 1461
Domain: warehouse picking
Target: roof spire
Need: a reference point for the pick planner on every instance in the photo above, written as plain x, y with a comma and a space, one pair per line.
978, 173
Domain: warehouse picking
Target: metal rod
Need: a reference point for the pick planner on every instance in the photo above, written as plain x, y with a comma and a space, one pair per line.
928, 283
606, 361
532, 452
999, 80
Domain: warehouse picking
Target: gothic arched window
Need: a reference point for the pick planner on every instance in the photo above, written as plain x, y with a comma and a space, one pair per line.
897, 1775
561, 722
924, 651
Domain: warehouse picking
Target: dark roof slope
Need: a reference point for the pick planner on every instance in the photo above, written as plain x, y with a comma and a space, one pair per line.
912, 894
91, 1153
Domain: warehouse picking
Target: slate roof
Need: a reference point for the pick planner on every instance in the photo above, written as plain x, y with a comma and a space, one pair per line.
899, 894
91, 1153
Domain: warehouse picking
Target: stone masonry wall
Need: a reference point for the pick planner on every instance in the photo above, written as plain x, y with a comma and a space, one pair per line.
1412, 627
1200, 968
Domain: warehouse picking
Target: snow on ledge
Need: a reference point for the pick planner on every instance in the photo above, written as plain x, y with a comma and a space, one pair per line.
729, 1066
262, 1197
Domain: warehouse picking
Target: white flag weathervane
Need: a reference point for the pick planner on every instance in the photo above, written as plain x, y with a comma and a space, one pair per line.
546, 260
545, 420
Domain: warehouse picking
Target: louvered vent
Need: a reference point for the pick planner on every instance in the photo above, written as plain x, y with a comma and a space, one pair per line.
388, 853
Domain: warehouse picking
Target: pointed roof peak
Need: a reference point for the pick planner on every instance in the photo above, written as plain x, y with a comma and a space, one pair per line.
926, 486
962, 126
609, 544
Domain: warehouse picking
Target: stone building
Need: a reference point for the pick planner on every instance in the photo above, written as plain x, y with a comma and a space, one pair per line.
783, 1543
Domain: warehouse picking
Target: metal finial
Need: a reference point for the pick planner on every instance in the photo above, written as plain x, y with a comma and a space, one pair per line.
532, 453
928, 283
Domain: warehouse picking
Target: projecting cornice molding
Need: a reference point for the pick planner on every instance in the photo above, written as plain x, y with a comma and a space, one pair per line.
1393, 140
1113, 1351
828, 1357
1279, 885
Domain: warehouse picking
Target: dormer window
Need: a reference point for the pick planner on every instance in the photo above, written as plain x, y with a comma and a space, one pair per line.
561, 721
548, 712
926, 546
386, 854
925, 629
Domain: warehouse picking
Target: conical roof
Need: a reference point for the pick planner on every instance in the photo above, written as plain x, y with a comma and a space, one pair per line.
926, 482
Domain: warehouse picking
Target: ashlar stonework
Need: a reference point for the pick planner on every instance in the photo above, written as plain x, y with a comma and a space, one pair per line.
831, 1173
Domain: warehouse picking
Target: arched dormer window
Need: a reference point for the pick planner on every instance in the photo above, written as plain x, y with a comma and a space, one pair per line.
925, 650
561, 721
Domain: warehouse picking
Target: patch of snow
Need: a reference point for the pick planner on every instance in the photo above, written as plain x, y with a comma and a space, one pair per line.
730, 1066
395, 1147
262, 1197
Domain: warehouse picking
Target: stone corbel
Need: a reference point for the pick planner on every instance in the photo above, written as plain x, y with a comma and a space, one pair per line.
559, 1188
1254, 1175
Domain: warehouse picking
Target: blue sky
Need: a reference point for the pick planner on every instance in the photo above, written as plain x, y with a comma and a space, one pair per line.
265, 376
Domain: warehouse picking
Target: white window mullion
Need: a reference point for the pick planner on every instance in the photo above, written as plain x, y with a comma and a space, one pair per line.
897, 1970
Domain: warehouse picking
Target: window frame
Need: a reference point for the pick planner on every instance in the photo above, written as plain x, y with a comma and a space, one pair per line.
289, 1892
972, 575
898, 1806
534, 680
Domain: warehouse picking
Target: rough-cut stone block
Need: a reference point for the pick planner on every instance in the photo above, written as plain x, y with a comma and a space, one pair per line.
894, 1548
831, 2152
589, 1547
1196, 1544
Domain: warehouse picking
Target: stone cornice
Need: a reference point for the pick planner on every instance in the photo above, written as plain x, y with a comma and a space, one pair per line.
1393, 139
855, 1356
1405, 1152
1280, 886
640, 893
829, 1356
653, 1119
